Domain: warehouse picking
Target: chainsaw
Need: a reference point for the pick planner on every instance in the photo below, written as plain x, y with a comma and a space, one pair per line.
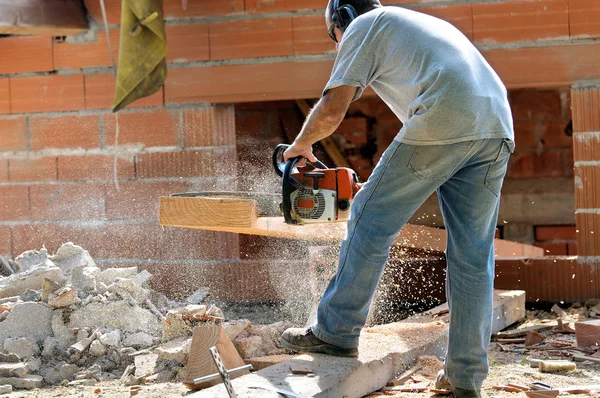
320, 195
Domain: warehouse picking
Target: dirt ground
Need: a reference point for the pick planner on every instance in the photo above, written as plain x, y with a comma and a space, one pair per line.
508, 364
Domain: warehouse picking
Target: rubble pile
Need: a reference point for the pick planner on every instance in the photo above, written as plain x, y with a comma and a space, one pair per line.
64, 320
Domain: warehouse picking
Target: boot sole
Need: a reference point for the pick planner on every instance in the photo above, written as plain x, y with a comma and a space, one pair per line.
321, 349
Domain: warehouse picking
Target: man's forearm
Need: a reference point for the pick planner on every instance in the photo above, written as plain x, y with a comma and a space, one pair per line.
320, 123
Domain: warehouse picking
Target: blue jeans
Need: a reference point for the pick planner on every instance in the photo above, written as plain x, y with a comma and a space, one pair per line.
468, 177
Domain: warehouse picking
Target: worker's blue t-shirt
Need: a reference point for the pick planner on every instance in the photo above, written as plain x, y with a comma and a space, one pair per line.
429, 74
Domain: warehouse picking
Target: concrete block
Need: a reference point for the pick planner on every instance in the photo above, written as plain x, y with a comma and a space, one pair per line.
16, 284
110, 275
69, 256
6, 389
139, 340
84, 277
13, 369
27, 320
116, 315
23, 347
33, 259
27, 383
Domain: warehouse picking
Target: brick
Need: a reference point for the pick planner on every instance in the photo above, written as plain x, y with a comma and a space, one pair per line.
553, 134
138, 199
73, 54
264, 248
94, 167
310, 35
572, 248
520, 21
253, 38
461, 16
585, 101
544, 66
530, 104
100, 94
26, 54
128, 240
157, 127
264, 6
587, 187
3, 170
202, 8
113, 11
526, 134
586, 146
210, 126
32, 169
528, 164
198, 163
588, 237
584, 18
52, 93
555, 232
63, 132
13, 134
251, 126
4, 96
251, 82
15, 203
5, 241
569, 163
188, 42
67, 202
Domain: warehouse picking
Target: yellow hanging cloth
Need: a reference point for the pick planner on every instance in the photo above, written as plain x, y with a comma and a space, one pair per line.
142, 52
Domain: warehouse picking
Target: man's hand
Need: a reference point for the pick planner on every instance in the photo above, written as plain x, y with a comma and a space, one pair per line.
297, 149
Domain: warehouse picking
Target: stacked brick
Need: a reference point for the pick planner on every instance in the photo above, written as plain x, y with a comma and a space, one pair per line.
557, 240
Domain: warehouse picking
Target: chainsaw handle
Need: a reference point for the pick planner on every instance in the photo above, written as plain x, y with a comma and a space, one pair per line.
279, 164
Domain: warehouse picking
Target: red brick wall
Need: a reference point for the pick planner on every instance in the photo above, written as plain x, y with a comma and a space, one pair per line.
57, 155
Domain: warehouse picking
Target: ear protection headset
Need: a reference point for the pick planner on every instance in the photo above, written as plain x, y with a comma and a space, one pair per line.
343, 15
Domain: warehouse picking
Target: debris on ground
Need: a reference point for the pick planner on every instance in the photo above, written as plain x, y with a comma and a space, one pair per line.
64, 321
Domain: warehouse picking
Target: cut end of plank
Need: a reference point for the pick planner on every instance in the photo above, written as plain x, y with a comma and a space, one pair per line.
207, 212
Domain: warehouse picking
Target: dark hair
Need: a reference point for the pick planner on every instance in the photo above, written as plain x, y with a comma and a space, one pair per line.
361, 6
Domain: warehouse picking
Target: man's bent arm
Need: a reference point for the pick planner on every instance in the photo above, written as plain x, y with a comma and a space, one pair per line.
322, 121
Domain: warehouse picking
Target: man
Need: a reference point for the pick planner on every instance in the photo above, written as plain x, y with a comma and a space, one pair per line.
456, 140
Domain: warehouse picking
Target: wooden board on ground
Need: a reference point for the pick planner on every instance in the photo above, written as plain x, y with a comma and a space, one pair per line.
201, 362
240, 216
384, 351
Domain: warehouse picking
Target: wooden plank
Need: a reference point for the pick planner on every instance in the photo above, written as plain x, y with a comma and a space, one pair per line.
384, 351
201, 362
209, 212
42, 17
240, 216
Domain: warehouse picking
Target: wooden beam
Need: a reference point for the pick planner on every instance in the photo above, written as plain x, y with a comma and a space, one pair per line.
42, 17
240, 216
384, 352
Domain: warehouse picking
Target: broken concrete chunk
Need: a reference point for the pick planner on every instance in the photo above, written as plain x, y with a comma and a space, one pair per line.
4, 315
112, 338
175, 350
49, 347
27, 383
27, 320
125, 288
67, 371
198, 296
33, 279
80, 346
249, 347
139, 340
84, 382
9, 358
110, 275
190, 310
31, 295
215, 311
13, 369
97, 349
146, 365
61, 331
65, 297
23, 347
48, 286
235, 327
34, 364
84, 278
69, 256
142, 278
6, 389
116, 315
33, 259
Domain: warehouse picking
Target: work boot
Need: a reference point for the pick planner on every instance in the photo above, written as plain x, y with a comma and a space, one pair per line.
303, 340
442, 383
